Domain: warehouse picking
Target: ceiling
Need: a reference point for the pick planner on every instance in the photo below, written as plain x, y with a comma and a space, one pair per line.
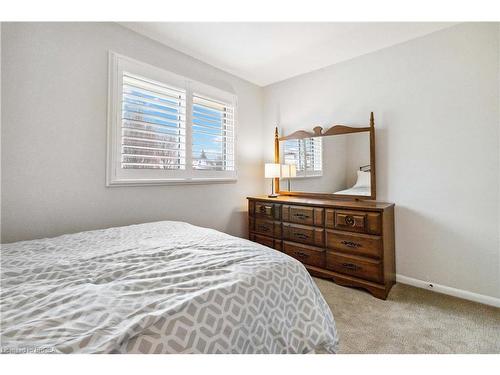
265, 53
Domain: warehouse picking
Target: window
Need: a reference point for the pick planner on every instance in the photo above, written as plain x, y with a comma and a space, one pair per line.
306, 154
212, 135
164, 128
153, 125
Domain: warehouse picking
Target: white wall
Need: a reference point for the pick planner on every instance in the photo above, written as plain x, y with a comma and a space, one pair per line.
436, 104
0, 128
54, 93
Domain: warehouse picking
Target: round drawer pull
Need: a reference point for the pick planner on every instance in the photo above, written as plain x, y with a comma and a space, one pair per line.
349, 220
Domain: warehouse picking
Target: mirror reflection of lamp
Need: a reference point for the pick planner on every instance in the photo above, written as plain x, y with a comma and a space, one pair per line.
272, 171
288, 171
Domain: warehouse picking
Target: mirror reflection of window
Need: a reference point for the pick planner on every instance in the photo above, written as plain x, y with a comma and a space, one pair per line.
306, 154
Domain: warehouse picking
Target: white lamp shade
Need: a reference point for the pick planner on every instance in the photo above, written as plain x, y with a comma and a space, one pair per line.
293, 170
272, 170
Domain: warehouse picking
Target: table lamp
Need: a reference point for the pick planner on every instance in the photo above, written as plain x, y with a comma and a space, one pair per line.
272, 171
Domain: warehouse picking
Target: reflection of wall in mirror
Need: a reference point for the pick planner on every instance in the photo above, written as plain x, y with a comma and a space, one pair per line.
334, 159
358, 154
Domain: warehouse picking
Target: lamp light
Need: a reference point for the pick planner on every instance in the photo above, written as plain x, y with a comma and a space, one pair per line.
288, 171
272, 171
285, 170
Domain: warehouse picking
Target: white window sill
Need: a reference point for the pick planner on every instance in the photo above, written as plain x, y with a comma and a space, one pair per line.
180, 181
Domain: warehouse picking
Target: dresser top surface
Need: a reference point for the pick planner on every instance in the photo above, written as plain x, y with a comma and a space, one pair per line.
367, 204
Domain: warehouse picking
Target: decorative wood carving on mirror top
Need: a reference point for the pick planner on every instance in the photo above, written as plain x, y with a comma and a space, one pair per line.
332, 131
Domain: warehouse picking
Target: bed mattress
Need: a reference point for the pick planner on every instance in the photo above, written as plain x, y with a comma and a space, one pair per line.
164, 287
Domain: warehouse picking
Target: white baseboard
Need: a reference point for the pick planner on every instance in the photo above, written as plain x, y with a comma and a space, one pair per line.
464, 294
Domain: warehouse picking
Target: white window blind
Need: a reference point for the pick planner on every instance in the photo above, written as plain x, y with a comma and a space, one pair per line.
164, 128
292, 151
212, 135
313, 154
306, 154
153, 125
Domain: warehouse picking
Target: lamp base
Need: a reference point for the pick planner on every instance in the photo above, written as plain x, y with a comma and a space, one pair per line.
272, 196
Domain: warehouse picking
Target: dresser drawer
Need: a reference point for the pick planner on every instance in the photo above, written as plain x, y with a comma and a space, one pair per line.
354, 221
303, 215
267, 241
278, 245
267, 210
304, 234
364, 268
306, 254
263, 240
356, 244
268, 227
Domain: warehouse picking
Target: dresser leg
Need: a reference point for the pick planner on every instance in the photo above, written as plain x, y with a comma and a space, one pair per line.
380, 292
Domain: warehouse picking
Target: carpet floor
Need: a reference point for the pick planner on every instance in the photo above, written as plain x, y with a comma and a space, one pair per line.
411, 320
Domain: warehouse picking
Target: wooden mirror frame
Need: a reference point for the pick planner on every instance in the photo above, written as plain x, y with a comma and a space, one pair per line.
334, 130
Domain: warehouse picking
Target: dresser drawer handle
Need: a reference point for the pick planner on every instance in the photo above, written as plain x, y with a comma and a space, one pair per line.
263, 228
301, 254
301, 216
349, 220
301, 236
265, 209
351, 266
351, 244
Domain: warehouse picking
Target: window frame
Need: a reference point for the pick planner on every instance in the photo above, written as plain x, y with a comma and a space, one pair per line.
115, 175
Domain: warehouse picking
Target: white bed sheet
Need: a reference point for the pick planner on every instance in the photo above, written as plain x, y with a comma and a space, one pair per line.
363, 191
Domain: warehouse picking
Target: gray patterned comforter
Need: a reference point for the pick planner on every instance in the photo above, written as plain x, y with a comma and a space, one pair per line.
165, 287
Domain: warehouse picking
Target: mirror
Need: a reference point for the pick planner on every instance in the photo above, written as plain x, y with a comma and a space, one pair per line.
337, 163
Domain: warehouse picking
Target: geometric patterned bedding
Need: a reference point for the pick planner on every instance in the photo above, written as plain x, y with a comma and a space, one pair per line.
164, 287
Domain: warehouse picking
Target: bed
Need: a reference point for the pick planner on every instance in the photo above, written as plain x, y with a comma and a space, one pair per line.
164, 287
362, 185
361, 190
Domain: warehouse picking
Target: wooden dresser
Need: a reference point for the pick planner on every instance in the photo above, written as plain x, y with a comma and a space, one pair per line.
350, 242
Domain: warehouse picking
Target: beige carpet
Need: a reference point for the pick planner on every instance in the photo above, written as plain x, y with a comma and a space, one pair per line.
411, 320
